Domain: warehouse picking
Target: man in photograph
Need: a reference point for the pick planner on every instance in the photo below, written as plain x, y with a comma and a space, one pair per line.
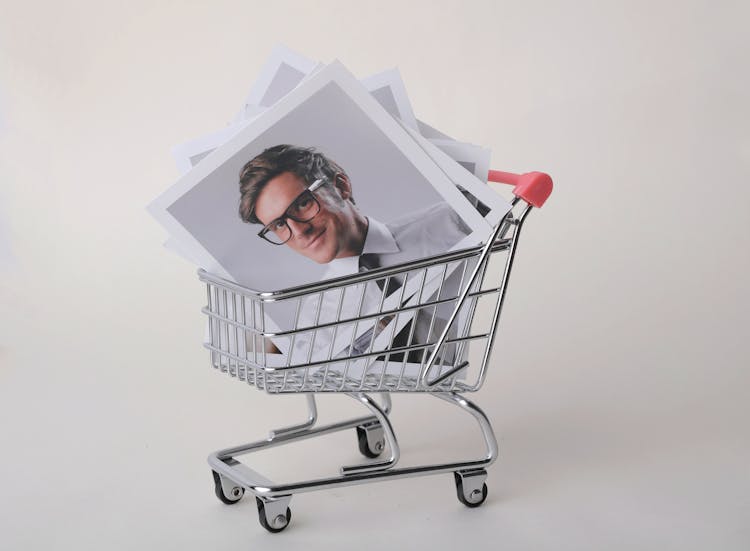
305, 201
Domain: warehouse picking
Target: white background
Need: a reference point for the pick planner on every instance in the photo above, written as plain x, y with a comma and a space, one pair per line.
619, 391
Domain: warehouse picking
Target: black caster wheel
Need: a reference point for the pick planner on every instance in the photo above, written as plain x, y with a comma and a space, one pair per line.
234, 497
373, 445
275, 525
474, 498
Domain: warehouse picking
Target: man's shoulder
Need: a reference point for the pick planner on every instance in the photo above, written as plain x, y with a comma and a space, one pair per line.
441, 213
435, 228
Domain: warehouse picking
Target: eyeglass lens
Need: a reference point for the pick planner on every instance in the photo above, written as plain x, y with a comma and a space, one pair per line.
303, 209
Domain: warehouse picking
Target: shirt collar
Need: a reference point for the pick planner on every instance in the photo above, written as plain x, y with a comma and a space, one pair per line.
379, 240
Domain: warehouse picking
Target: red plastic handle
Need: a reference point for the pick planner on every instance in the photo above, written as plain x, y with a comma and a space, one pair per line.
532, 187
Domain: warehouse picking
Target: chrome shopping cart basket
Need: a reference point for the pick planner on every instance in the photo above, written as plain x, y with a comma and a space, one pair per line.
449, 294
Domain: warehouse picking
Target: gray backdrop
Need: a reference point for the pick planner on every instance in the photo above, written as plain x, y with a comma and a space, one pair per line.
619, 389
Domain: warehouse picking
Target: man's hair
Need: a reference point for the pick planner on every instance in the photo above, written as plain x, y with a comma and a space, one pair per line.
304, 162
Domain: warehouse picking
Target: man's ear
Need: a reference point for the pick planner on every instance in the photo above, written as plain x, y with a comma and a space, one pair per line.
343, 186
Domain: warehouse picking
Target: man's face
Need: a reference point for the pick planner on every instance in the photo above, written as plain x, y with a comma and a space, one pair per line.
328, 235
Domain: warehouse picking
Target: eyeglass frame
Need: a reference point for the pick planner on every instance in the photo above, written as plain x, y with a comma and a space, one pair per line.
311, 189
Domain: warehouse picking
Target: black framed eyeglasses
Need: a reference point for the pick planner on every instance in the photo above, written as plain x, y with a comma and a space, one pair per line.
303, 209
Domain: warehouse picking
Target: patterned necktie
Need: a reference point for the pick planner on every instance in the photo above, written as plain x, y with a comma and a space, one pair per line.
362, 343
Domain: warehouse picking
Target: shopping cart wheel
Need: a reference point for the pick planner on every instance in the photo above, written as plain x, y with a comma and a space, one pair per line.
271, 514
226, 490
371, 439
470, 487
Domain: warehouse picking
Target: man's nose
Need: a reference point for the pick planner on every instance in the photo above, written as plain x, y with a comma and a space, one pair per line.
299, 228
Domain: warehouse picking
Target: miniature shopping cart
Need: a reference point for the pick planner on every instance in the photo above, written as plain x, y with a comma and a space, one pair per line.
451, 361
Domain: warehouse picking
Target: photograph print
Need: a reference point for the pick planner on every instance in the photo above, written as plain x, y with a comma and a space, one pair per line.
382, 175
323, 184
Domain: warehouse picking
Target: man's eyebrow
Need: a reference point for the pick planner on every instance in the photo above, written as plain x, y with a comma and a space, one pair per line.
283, 214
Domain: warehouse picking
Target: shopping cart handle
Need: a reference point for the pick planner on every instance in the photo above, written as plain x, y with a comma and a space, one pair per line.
532, 187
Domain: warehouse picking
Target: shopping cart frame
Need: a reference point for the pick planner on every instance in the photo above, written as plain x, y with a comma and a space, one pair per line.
374, 431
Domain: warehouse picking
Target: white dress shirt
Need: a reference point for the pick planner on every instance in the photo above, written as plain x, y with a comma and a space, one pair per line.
433, 230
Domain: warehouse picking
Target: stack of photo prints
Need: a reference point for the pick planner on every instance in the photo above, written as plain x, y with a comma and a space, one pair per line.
320, 176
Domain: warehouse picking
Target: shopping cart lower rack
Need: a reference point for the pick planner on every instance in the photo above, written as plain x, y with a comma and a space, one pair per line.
383, 355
